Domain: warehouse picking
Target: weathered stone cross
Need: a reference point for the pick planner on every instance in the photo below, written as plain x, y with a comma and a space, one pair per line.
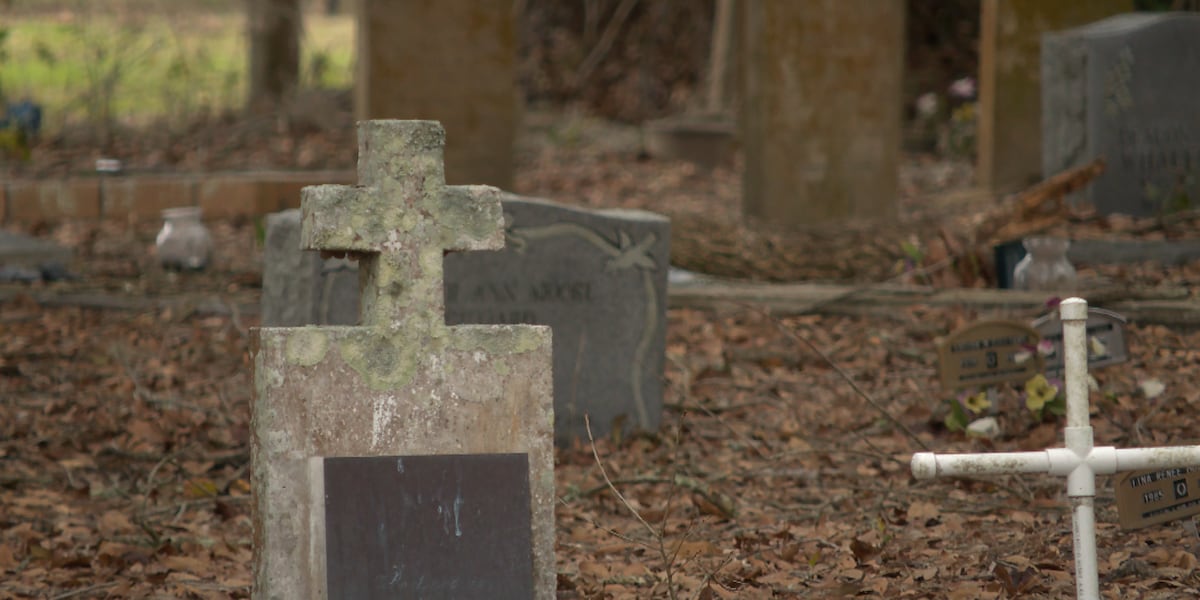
1080, 462
402, 383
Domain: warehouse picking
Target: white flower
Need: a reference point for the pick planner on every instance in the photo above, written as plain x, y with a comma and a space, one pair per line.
963, 88
1152, 388
927, 105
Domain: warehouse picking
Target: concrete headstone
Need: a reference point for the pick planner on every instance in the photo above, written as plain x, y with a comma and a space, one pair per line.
403, 383
1123, 89
597, 278
821, 105
1009, 99
454, 61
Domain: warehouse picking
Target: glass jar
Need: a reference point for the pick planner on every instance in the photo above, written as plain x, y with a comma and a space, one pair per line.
183, 243
1045, 266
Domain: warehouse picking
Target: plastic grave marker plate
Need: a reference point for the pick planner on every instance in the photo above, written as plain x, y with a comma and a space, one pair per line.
989, 352
449, 526
1106, 339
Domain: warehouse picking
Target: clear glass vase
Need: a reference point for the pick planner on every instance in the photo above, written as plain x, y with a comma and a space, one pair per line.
183, 243
1045, 266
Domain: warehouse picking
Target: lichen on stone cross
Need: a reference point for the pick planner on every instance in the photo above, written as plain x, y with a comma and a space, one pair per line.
400, 220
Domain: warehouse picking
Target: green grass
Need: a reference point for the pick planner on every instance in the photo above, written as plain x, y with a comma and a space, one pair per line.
136, 67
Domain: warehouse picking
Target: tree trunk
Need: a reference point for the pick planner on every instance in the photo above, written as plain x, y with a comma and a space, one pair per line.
274, 28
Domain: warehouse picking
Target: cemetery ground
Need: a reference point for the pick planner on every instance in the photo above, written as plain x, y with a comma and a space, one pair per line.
781, 470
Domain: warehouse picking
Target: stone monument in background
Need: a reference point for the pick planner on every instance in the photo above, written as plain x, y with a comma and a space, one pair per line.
821, 109
1009, 123
452, 61
1121, 89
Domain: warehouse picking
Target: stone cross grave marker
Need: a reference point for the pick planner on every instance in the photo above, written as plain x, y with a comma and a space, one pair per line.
598, 278
401, 386
1124, 89
1080, 461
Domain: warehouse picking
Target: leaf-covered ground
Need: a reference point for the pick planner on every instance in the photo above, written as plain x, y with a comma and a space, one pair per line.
777, 473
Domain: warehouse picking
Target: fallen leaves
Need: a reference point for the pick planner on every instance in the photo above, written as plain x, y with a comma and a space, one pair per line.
124, 435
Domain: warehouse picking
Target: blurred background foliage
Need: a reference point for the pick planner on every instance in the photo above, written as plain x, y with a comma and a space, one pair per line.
106, 63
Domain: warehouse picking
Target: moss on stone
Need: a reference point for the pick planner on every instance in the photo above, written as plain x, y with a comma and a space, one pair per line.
385, 358
306, 346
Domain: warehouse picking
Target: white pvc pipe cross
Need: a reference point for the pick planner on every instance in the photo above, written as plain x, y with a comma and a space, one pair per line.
1079, 461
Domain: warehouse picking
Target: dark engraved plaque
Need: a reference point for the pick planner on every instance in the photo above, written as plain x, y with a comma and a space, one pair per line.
428, 527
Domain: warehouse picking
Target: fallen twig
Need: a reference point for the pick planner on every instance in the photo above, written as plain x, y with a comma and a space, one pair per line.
84, 590
845, 376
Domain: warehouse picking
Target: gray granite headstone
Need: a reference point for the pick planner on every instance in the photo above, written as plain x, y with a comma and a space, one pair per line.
298, 287
597, 278
26, 258
1125, 89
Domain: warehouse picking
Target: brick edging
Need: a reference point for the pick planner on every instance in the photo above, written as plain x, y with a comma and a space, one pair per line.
142, 197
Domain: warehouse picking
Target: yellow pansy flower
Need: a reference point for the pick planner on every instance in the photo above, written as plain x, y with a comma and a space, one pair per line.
977, 403
1039, 391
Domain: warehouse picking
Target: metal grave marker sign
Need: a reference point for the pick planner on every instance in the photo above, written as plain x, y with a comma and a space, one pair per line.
449, 526
988, 352
1146, 498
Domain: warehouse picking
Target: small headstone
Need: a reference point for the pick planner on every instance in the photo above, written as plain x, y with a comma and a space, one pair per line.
1146, 498
988, 352
403, 383
1123, 89
26, 258
404, 526
598, 278
1106, 339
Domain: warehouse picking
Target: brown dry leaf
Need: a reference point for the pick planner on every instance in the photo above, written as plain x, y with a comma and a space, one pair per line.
239, 487
1158, 556
146, 432
201, 488
692, 549
8, 558
863, 551
186, 564
594, 569
921, 511
114, 522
